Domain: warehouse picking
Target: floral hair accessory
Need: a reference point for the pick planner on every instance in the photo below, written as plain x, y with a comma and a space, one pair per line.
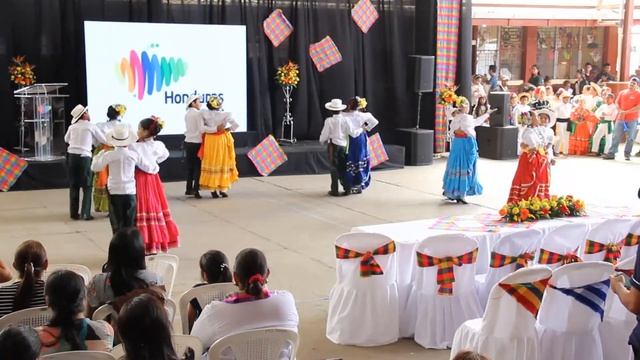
120, 109
159, 121
215, 102
362, 103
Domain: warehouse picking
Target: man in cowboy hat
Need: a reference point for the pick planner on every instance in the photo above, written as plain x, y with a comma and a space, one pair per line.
121, 183
335, 134
81, 136
194, 121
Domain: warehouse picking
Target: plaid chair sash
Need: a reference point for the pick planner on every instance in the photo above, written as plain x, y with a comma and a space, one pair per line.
612, 250
529, 294
446, 277
368, 265
500, 260
592, 296
549, 257
632, 240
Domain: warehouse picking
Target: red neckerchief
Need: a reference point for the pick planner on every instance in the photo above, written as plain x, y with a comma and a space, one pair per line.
241, 297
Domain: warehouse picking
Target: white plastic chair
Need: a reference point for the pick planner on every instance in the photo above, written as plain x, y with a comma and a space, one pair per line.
79, 355
364, 311
33, 317
514, 244
118, 352
76, 268
261, 344
165, 265
105, 311
205, 294
507, 330
568, 329
618, 322
438, 316
563, 240
180, 344
611, 231
172, 309
629, 251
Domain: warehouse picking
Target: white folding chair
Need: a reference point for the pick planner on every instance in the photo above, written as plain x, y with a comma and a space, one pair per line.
568, 329
118, 352
105, 312
261, 344
76, 268
630, 247
171, 308
33, 317
79, 355
565, 241
611, 232
522, 244
618, 322
205, 294
165, 265
364, 311
507, 330
437, 315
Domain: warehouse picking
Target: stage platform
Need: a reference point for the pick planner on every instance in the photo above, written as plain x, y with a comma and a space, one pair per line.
305, 158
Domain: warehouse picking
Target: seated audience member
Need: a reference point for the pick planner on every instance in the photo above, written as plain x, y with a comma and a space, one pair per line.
145, 330
5, 272
214, 269
253, 307
19, 343
124, 271
30, 262
68, 329
469, 355
630, 298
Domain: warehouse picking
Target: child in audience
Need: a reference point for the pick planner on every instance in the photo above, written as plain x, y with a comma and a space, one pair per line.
100, 195
214, 269
607, 114
563, 116
335, 134
19, 342
81, 136
153, 217
68, 329
30, 261
518, 117
481, 108
581, 127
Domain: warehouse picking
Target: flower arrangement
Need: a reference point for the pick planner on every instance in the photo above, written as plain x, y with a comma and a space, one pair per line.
448, 96
21, 72
538, 209
288, 74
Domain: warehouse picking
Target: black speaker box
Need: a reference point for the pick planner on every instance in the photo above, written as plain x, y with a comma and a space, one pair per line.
422, 68
500, 100
498, 143
418, 144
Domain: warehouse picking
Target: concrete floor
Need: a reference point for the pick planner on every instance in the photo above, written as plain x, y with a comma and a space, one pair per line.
295, 223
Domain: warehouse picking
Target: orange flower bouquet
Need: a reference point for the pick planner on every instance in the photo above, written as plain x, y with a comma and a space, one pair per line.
21, 72
288, 74
537, 209
447, 96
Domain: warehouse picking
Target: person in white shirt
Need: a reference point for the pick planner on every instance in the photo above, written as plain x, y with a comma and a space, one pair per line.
607, 113
461, 177
194, 122
563, 116
518, 117
335, 133
153, 217
218, 170
477, 90
81, 136
357, 174
252, 307
121, 184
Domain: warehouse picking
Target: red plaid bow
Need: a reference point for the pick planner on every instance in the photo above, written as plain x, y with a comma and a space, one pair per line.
500, 260
549, 257
612, 250
632, 240
529, 295
368, 264
446, 277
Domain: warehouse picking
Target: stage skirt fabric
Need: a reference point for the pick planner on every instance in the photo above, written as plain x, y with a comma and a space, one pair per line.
218, 170
357, 174
153, 217
460, 177
531, 178
100, 194
579, 140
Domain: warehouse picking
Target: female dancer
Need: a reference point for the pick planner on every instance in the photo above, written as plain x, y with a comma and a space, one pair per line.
357, 175
582, 125
100, 196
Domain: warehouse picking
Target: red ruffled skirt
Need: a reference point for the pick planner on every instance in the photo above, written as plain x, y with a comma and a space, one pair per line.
531, 178
153, 217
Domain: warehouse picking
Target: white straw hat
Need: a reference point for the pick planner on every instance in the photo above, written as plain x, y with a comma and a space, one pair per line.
191, 99
77, 112
550, 114
121, 135
335, 105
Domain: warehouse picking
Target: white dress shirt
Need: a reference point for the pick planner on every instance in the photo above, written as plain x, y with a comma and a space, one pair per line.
151, 152
563, 111
539, 137
107, 126
608, 112
336, 130
122, 164
466, 123
214, 118
360, 121
81, 136
194, 122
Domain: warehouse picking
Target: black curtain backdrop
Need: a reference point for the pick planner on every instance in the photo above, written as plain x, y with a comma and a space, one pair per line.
50, 33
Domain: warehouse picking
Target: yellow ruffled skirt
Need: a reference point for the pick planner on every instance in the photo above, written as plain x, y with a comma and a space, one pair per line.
218, 170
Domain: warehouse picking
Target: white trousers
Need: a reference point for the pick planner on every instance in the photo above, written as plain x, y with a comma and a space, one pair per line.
602, 130
562, 134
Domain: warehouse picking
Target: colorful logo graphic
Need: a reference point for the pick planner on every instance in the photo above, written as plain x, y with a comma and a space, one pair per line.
150, 73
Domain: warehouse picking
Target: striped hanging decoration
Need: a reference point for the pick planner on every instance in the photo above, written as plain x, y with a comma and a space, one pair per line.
448, 24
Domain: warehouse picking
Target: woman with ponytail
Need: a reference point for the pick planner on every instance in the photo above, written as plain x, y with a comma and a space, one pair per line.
153, 217
30, 262
68, 329
214, 269
252, 307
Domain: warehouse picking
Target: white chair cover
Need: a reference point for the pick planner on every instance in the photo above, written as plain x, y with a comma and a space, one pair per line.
507, 331
438, 316
629, 251
33, 317
261, 344
205, 294
618, 323
611, 231
165, 265
514, 244
568, 329
81, 270
564, 239
363, 311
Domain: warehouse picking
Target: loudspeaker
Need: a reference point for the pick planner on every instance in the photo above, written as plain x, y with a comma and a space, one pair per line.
498, 143
418, 144
423, 69
501, 101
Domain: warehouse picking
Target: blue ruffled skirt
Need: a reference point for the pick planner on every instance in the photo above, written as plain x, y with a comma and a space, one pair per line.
357, 174
461, 177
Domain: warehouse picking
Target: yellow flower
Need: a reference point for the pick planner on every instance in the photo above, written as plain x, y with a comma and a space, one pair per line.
515, 211
554, 204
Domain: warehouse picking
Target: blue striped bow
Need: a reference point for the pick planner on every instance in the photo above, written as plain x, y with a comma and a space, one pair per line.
592, 295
